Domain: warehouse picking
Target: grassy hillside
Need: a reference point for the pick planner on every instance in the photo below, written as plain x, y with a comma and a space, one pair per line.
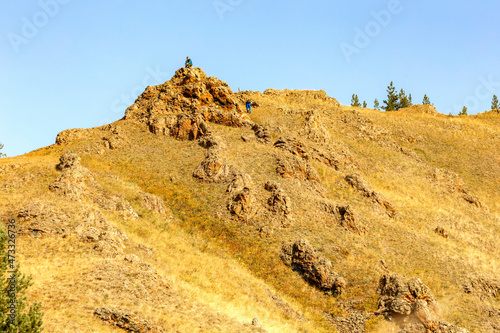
194, 266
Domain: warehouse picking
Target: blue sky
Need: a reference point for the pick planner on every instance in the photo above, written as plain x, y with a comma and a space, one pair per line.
79, 64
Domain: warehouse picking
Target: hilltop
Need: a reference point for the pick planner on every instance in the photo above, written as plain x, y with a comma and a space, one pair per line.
191, 215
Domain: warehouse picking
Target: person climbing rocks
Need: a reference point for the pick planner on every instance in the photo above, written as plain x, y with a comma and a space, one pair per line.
249, 106
189, 63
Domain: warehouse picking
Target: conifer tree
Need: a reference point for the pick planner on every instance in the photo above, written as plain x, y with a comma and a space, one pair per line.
494, 103
404, 102
376, 104
391, 103
463, 112
426, 100
28, 319
1, 154
409, 100
355, 100
364, 104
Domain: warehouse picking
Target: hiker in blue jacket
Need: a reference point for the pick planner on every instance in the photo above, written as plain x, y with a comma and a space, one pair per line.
249, 106
189, 63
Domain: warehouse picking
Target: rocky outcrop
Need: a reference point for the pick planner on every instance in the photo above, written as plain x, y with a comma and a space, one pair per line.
411, 304
314, 268
73, 180
352, 320
345, 217
314, 129
440, 231
303, 95
262, 133
115, 137
115, 203
279, 205
182, 106
127, 321
482, 287
360, 184
214, 169
293, 167
337, 157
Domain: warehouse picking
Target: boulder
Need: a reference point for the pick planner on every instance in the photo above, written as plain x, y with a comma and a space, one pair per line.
411, 304
314, 268
294, 167
345, 217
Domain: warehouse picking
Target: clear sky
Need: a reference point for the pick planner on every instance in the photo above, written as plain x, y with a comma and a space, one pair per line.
79, 64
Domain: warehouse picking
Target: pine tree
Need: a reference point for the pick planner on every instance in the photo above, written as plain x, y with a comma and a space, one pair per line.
391, 103
355, 100
28, 319
404, 102
364, 104
426, 100
1, 154
494, 103
409, 100
376, 105
463, 112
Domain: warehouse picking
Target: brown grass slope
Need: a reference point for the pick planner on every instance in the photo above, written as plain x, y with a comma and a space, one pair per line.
209, 261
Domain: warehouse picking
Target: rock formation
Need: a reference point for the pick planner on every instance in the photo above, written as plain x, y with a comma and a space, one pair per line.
314, 268
182, 106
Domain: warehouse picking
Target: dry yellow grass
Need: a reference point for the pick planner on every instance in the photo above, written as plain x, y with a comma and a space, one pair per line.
221, 273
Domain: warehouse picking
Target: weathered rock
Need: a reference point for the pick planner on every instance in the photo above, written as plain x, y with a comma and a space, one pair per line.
73, 180
314, 129
293, 146
314, 268
353, 321
126, 320
213, 168
239, 182
262, 133
242, 204
365, 188
67, 160
346, 217
483, 287
71, 135
181, 106
412, 305
473, 200
118, 204
294, 167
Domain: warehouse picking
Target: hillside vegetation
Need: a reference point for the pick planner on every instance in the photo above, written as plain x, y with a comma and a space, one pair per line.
190, 215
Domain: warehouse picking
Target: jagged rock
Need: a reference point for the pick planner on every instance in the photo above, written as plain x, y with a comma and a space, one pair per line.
279, 204
346, 217
337, 157
314, 268
482, 287
441, 231
72, 182
303, 95
242, 204
115, 138
271, 186
155, 204
293, 167
181, 106
256, 323
239, 182
293, 146
353, 320
365, 188
411, 304
213, 168
126, 320
262, 133
313, 128
67, 160
212, 141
